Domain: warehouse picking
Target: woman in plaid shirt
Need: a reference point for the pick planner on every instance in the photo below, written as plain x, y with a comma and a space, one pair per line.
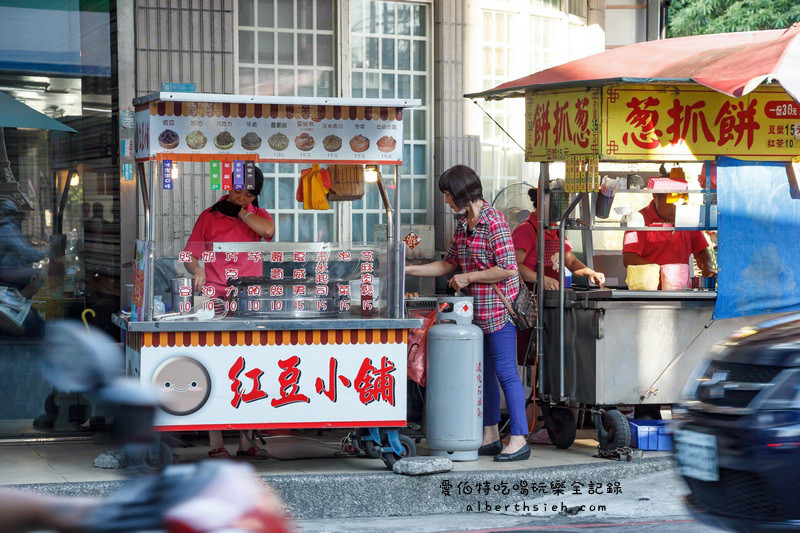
483, 252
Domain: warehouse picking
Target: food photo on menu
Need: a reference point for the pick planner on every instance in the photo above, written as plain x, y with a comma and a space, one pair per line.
304, 142
196, 140
251, 141
332, 143
386, 144
224, 140
169, 140
359, 144
278, 142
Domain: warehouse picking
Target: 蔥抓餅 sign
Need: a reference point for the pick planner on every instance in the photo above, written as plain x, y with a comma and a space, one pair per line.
680, 122
240, 380
675, 122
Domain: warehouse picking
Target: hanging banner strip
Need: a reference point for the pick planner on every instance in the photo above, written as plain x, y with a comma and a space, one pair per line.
166, 174
215, 172
250, 175
238, 175
227, 176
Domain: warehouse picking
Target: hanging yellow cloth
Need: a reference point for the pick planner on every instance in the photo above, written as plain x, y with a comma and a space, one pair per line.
313, 188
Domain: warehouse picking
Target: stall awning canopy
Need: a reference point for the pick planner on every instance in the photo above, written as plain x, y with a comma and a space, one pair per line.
15, 114
731, 63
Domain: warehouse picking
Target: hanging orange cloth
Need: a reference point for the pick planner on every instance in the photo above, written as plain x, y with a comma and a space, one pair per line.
313, 188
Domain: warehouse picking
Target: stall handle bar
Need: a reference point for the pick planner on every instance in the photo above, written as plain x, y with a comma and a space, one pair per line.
544, 215
561, 289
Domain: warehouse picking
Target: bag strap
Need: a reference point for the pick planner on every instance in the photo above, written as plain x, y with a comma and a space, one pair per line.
505, 301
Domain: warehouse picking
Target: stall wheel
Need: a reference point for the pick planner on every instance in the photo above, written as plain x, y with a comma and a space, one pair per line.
561, 426
409, 450
152, 457
372, 450
617, 431
369, 441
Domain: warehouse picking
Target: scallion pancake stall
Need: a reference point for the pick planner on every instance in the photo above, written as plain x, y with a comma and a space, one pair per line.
726, 102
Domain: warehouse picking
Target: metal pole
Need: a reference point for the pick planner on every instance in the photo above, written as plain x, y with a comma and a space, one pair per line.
543, 207
561, 289
141, 178
150, 243
399, 270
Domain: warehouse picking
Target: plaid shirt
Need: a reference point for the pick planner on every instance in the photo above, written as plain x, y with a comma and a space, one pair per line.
488, 245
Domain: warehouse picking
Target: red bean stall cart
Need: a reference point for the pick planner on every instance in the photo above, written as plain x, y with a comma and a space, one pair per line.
305, 334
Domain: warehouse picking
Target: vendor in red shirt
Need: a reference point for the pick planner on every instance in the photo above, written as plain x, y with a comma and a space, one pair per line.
664, 247
526, 240
236, 217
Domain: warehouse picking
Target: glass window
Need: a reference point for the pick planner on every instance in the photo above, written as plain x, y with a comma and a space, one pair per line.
547, 23
246, 46
60, 202
266, 14
246, 12
396, 40
295, 57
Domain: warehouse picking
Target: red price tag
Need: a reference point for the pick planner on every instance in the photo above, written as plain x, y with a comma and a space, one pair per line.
227, 176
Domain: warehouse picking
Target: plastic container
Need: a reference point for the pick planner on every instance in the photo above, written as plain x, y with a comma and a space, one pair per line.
159, 307
602, 207
650, 435
674, 277
643, 277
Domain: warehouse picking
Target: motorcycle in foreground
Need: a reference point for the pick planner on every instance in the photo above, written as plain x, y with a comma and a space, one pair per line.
207, 496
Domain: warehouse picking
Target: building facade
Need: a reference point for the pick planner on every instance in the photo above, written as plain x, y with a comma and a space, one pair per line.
85, 209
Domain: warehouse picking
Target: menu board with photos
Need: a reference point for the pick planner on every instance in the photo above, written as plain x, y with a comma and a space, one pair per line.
201, 131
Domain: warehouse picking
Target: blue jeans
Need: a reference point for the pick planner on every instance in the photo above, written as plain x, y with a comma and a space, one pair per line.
500, 367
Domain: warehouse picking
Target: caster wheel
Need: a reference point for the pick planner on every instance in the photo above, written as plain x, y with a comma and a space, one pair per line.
618, 431
409, 450
561, 427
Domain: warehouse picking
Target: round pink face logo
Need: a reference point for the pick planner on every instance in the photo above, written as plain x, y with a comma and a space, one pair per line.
183, 385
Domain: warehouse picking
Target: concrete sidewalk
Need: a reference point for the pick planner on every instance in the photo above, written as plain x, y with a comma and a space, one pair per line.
318, 480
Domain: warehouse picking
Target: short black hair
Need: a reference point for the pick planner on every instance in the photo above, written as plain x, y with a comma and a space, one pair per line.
462, 183
533, 194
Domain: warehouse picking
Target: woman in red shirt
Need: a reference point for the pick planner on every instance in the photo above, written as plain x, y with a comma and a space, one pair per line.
526, 242
482, 249
236, 217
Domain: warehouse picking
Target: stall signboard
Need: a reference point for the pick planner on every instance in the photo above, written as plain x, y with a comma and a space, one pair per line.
200, 131
561, 124
691, 122
269, 379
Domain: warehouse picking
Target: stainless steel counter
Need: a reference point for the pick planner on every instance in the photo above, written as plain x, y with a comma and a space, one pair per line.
623, 294
240, 324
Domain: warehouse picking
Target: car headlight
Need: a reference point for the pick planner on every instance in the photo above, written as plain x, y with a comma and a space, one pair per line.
695, 379
785, 391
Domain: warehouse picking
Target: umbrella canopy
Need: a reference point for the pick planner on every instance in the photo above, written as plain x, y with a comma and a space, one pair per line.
731, 63
15, 114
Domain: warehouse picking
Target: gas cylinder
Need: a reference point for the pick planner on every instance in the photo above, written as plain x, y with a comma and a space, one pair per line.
454, 387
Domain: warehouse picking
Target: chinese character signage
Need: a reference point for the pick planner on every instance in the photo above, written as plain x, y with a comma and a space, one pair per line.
681, 122
335, 378
269, 132
561, 124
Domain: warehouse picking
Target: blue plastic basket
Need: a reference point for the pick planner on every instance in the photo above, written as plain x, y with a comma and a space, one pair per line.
650, 435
